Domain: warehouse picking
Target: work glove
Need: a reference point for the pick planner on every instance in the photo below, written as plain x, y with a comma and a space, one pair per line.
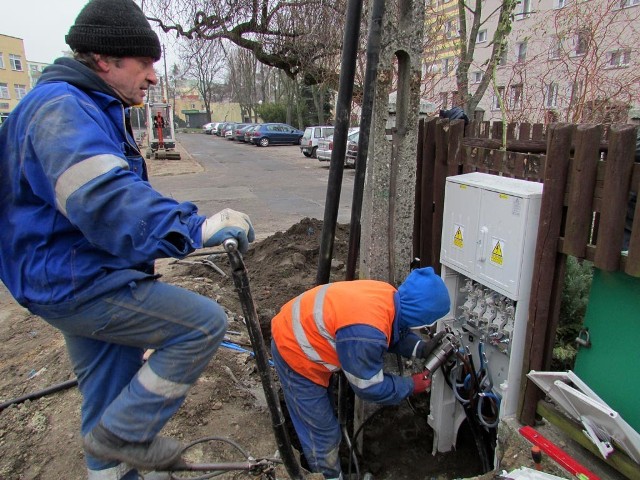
426, 348
228, 224
421, 382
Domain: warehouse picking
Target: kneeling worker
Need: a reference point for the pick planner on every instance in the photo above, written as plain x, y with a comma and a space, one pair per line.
350, 326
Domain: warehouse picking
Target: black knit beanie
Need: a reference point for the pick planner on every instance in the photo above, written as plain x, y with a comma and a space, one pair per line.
113, 27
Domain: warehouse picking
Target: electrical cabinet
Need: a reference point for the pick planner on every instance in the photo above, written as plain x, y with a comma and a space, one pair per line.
489, 237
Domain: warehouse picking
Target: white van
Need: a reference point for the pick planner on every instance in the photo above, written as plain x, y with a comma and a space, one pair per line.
309, 142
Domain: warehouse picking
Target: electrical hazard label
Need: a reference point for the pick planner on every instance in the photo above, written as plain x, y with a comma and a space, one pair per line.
458, 236
497, 253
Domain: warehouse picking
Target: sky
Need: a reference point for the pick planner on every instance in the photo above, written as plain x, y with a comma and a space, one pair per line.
42, 24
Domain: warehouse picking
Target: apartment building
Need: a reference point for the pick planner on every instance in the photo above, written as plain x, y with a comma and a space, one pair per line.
564, 60
14, 75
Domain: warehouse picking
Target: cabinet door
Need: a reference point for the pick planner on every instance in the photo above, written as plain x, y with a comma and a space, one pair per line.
500, 241
460, 226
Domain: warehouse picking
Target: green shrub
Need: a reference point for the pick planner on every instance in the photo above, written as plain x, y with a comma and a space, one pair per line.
575, 298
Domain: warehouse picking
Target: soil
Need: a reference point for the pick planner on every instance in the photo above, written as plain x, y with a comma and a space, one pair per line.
39, 439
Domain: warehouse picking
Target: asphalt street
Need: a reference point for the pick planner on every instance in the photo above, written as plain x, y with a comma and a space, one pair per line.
277, 186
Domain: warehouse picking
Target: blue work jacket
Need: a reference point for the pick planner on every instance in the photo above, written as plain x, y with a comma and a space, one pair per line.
78, 216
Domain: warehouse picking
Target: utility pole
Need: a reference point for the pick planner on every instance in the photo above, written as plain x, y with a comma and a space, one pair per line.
166, 77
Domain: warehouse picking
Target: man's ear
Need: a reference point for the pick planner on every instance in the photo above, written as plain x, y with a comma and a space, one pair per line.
102, 63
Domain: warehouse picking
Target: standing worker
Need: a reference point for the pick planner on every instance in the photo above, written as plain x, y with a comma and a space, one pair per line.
158, 124
81, 228
350, 326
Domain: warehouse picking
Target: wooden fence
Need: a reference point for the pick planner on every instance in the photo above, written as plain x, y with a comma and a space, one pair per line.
588, 172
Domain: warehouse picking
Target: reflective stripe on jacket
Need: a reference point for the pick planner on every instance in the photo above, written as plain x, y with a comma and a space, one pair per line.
305, 329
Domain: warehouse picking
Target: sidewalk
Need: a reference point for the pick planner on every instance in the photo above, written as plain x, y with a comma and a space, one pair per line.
186, 164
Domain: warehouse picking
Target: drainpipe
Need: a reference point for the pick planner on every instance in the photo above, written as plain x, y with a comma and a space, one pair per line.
373, 56
343, 113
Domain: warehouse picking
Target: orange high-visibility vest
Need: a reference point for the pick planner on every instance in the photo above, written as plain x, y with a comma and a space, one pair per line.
305, 328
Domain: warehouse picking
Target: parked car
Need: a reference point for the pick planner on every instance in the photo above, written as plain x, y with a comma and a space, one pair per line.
309, 142
238, 131
216, 128
248, 132
220, 128
266, 134
352, 153
227, 131
325, 145
207, 128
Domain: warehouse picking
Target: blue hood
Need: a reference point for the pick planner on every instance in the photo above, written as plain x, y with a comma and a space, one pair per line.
423, 298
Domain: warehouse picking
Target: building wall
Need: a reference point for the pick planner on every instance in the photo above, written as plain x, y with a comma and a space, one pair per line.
14, 74
547, 75
35, 72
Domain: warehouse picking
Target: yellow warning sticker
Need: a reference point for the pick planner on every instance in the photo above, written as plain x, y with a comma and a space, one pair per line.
458, 236
497, 253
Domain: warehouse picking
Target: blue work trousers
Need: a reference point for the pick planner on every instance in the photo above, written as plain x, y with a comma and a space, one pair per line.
313, 415
106, 338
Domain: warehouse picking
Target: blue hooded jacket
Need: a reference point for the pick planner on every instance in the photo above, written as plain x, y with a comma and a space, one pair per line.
78, 217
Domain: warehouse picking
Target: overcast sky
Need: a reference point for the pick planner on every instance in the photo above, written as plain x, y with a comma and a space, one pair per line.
42, 24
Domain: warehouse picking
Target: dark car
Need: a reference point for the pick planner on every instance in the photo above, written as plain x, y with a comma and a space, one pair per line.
352, 152
275, 133
239, 130
249, 131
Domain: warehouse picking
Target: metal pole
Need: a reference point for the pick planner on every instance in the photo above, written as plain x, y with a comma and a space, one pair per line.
343, 113
241, 281
373, 57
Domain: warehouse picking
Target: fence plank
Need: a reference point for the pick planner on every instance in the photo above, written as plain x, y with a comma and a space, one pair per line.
417, 199
439, 180
618, 170
545, 264
427, 230
582, 180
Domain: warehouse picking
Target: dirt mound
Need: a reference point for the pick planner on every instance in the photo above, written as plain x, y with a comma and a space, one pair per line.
40, 439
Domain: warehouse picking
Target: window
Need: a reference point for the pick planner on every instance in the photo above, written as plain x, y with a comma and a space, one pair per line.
502, 61
21, 91
482, 36
576, 92
498, 98
16, 62
619, 58
559, 3
451, 28
4, 91
524, 10
476, 77
551, 95
555, 48
444, 97
1, 60
628, 3
581, 42
521, 51
515, 96
447, 65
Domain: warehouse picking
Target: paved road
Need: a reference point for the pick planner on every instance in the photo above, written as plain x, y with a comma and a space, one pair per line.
277, 186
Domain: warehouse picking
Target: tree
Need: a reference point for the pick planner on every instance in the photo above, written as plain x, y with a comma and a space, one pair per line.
451, 47
204, 62
302, 38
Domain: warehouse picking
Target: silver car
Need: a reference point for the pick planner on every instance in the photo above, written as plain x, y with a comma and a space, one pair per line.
325, 145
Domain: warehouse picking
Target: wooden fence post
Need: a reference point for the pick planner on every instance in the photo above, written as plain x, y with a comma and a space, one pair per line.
617, 177
555, 178
427, 196
584, 170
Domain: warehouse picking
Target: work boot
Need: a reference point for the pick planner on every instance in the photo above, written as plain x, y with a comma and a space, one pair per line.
158, 454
